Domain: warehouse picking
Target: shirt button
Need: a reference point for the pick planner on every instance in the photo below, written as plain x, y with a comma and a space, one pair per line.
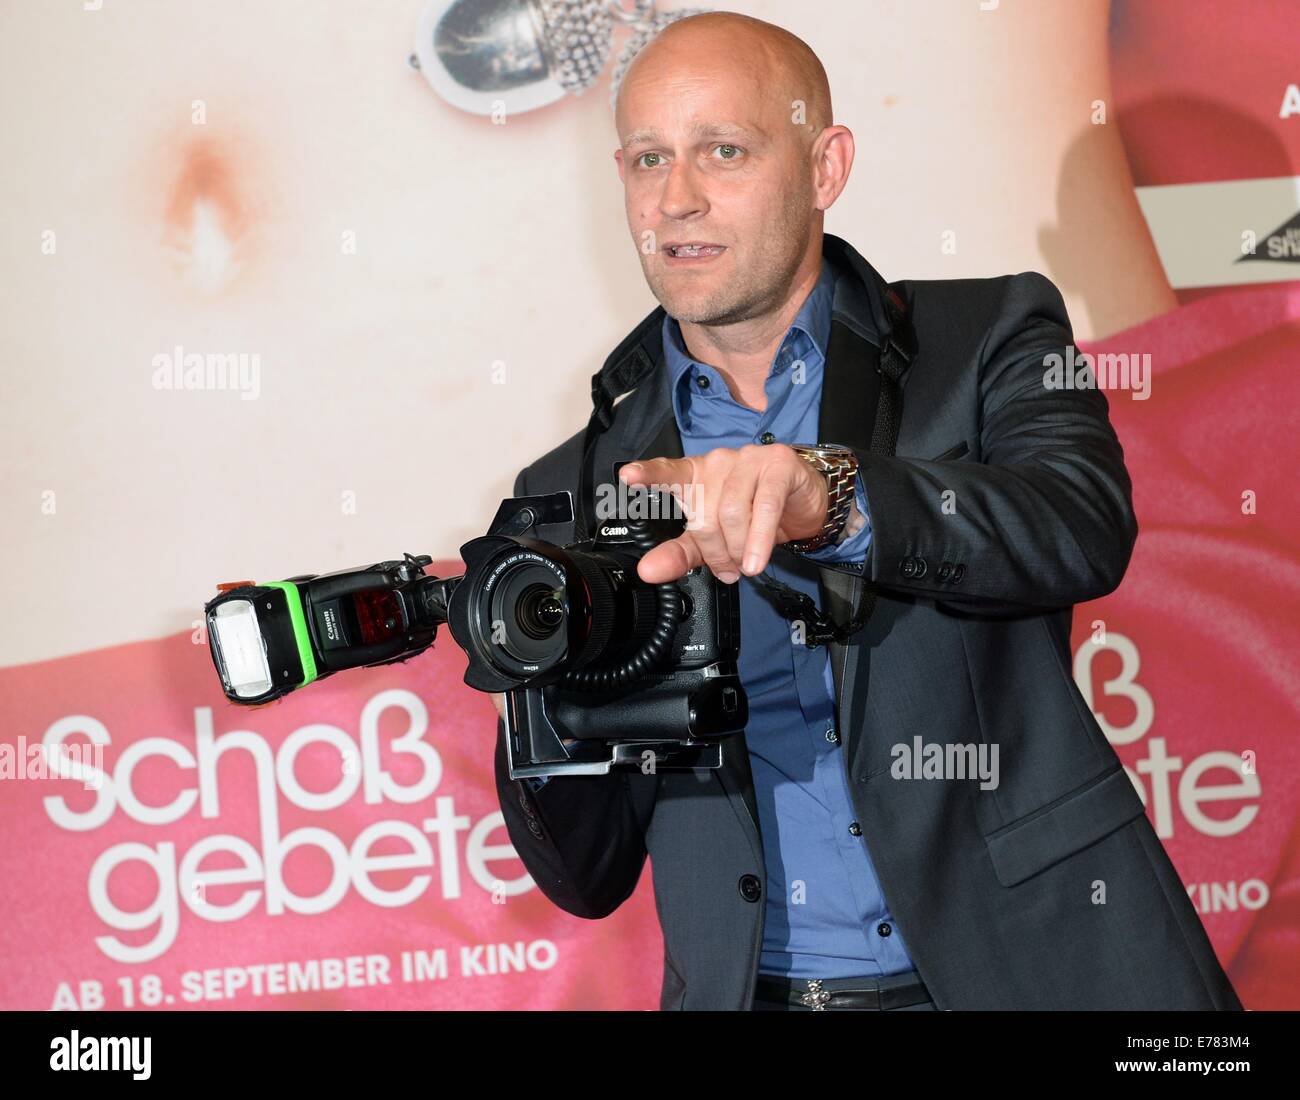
833, 736
855, 829
702, 380
767, 437
883, 929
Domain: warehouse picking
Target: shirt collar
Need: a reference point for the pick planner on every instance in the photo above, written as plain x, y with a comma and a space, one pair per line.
813, 319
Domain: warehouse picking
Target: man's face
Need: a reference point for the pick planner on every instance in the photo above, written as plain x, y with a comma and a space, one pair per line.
710, 157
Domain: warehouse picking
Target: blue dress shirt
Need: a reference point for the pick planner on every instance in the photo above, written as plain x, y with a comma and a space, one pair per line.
826, 915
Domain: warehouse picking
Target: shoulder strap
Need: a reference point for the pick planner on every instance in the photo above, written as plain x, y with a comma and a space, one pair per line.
853, 393
625, 368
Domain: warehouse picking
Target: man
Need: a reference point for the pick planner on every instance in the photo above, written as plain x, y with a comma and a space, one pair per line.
818, 868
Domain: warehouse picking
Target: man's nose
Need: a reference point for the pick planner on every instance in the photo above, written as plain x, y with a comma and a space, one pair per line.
683, 194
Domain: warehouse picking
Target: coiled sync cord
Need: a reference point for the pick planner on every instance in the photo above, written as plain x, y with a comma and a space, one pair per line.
657, 646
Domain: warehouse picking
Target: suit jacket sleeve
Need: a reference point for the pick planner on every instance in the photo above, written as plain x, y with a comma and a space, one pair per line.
1045, 518
581, 837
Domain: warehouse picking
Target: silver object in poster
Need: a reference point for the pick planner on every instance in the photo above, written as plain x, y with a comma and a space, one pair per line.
518, 55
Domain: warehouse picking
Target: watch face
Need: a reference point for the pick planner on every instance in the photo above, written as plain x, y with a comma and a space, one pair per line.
827, 457
834, 452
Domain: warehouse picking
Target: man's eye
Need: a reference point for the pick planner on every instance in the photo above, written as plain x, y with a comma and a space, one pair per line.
641, 160
729, 152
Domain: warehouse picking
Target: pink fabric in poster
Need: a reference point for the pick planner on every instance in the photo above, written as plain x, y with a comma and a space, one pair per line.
66, 942
1210, 607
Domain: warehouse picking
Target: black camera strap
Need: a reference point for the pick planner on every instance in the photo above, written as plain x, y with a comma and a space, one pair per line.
858, 376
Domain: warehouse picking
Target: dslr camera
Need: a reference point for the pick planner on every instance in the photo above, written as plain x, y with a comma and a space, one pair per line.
599, 669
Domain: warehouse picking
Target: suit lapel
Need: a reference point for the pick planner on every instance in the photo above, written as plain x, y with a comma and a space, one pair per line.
850, 391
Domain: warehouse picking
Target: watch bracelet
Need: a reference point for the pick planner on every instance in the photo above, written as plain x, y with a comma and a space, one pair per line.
841, 487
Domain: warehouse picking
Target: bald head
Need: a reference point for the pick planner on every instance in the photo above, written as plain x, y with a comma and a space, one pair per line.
728, 158
762, 58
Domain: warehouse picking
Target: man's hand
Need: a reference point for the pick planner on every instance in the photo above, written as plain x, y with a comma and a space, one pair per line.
739, 503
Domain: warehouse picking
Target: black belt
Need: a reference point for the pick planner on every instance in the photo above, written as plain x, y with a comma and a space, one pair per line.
891, 991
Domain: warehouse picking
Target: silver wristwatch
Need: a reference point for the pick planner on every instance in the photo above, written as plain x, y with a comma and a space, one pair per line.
840, 466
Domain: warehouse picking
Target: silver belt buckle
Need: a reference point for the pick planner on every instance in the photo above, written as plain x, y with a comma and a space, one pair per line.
815, 997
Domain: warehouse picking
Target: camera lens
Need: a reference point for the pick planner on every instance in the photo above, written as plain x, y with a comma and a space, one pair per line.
539, 611
532, 612
524, 613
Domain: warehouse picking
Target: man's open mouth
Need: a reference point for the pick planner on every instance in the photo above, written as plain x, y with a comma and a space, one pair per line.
694, 250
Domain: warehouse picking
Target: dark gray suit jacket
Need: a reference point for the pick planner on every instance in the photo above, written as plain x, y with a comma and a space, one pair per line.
1051, 891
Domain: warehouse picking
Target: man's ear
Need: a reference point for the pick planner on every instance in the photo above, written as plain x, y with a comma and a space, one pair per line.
618, 156
833, 152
